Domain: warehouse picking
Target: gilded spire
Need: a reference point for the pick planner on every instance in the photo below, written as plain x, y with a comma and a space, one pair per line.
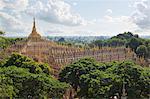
34, 36
34, 27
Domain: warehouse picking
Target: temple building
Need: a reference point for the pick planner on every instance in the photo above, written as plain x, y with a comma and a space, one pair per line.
43, 50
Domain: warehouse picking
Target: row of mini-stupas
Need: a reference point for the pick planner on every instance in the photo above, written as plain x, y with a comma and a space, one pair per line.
42, 50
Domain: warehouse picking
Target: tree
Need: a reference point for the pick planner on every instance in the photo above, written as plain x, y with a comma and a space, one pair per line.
131, 74
6, 42
61, 39
96, 84
99, 43
145, 82
72, 72
81, 72
6, 88
102, 80
21, 77
134, 43
119, 40
148, 48
142, 51
116, 42
2, 33
25, 62
126, 36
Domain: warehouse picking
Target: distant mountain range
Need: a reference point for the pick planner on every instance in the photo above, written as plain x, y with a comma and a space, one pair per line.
76, 38
86, 39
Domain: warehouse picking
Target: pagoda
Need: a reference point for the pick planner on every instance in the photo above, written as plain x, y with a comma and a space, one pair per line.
57, 55
34, 36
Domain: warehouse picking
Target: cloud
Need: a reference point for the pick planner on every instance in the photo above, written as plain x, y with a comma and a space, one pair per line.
109, 11
141, 17
18, 5
1, 5
117, 24
10, 15
125, 19
15, 14
10, 23
55, 11
12, 26
74, 3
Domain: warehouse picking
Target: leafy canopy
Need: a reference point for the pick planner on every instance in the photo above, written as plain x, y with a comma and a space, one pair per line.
21, 77
91, 79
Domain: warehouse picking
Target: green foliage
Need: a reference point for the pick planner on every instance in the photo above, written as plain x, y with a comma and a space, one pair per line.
6, 87
25, 62
2, 33
134, 43
126, 39
71, 73
113, 42
142, 51
21, 77
102, 80
148, 48
84, 74
126, 35
61, 39
147, 44
116, 42
99, 43
119, 40
126, 72
6, 42
145, 81
96, 84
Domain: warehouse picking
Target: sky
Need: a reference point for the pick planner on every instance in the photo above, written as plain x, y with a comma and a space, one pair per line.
75, 17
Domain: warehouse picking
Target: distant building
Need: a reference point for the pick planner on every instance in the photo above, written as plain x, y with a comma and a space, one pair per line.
55, 55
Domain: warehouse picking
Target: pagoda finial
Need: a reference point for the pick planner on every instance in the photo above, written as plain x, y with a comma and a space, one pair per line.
34, 21
34, 27
34, 36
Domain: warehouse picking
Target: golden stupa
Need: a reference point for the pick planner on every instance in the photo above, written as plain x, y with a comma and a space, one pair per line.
43, 50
